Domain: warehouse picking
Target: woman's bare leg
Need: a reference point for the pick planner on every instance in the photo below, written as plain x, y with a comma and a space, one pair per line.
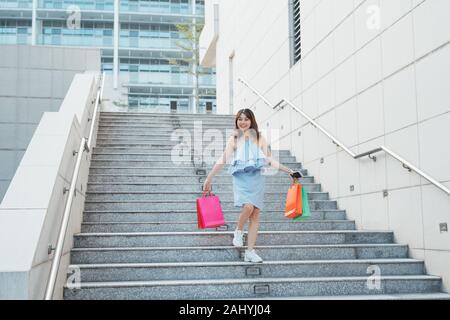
253, 229
246, 211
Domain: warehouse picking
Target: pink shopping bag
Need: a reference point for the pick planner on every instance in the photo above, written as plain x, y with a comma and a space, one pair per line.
209, 212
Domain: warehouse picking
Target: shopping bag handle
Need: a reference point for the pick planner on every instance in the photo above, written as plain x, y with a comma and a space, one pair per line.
207, 192
295, 181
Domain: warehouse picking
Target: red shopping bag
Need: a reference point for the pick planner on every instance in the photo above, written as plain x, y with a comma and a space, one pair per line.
209, 212
293, 208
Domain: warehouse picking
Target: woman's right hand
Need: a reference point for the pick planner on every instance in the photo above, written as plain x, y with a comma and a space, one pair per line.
207, 185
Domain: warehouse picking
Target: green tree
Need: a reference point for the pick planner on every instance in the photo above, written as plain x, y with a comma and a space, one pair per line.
190, 63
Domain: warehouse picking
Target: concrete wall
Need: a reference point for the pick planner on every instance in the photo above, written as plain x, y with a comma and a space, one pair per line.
33, 80
209, 34
373, 72
32, 209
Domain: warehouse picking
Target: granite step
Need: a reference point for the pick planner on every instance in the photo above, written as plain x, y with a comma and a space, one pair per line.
249, 288
186, 215
222, 238
191, 205
143, 151
172, 188
131, 176
187, 196
178, 164
243, 270
191, 226
230, 253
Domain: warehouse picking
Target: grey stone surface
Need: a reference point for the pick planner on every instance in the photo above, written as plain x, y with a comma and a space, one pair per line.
140, 239
190, 226
187, 196
175, 166
219, 238
242, 270
277, 287
118, 176
121, 153
148, 187
230, 253
186, 215
191, 205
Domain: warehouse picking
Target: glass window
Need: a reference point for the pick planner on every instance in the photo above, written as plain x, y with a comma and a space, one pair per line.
22, 30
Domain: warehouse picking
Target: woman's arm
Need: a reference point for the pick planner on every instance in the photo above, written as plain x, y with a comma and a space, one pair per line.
272, 162
220, 163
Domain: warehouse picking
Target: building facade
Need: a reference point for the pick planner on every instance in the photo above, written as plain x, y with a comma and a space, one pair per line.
142, 49
33, 80
372, 73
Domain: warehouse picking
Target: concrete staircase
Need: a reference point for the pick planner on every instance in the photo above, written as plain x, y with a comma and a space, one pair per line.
139, 238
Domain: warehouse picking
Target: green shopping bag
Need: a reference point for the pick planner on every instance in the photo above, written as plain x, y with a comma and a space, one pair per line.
306, 213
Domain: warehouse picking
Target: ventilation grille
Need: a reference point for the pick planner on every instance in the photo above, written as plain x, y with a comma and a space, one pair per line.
296, 30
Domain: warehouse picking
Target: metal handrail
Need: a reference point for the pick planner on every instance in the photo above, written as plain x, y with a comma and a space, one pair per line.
84, 146
406, 164
102, 86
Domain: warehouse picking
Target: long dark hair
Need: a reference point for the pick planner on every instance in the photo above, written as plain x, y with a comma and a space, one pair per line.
249, 114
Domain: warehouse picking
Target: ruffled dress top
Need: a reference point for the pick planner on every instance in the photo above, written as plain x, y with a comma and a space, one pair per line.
248, 180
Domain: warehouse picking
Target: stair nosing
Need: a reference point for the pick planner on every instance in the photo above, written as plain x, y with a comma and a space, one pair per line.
195, 222
242, 263
294, 246
282, 192
178, 201
232, 281
190, 211
185, 183
209, 233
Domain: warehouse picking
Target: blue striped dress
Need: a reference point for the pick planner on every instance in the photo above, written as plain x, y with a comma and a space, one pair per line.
248, 180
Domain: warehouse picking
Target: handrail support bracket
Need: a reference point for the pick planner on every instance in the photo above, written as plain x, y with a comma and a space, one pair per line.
406, 167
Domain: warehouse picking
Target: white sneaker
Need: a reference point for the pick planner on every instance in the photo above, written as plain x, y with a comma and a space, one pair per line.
251, 256
238, 240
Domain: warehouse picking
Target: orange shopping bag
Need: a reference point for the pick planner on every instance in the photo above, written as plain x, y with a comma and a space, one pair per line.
293, 207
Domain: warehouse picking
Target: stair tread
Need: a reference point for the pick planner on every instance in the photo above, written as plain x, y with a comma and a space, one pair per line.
207, 233
184, 201
356, 245
106, 284
188, 192
242, 263
194, 185
190, 211
158, 175
195, 221
405, 296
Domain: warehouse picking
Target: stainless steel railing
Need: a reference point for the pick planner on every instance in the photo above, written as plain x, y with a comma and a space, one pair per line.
85, 146
406, 164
